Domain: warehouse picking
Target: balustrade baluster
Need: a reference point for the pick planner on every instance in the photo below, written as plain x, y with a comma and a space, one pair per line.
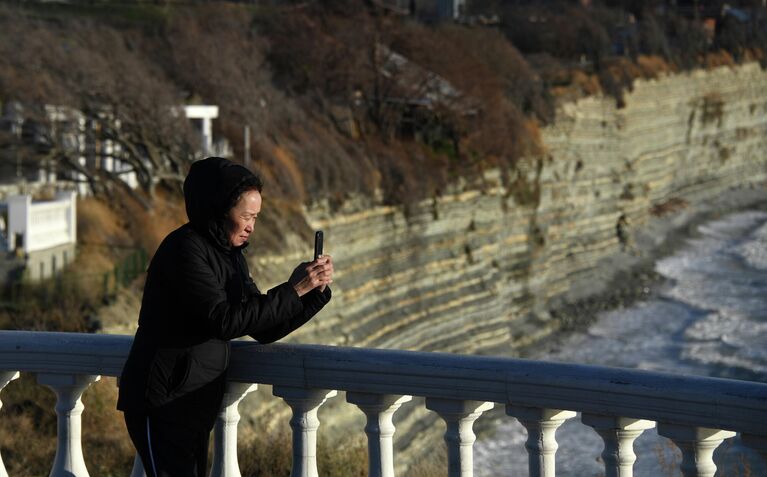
618, 434
697, 445
138, 468
304, 403
379, 409
225, 462
541, 444
69, 388
459, 436
5, 378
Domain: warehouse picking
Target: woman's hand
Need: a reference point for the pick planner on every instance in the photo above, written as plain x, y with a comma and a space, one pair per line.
308, 276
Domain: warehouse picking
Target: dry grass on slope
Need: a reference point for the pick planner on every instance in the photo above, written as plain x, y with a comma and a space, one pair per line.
105, 227
148, 227
98, 231
28, 429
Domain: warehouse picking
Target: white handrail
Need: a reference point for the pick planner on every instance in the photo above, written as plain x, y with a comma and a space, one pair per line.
729, 404
695, 412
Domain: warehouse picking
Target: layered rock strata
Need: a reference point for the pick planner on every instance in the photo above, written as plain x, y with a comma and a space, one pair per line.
477, 270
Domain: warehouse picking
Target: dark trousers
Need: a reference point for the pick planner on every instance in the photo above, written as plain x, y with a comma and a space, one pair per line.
170, 448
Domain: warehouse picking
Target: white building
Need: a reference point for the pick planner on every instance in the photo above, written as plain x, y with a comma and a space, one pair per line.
42, 233
440, 10
202, 116
81, 136
78, 133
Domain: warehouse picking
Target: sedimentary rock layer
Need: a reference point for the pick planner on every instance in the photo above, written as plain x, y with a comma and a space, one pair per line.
477, 270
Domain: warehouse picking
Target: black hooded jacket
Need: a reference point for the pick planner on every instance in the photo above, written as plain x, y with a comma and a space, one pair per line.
198, 296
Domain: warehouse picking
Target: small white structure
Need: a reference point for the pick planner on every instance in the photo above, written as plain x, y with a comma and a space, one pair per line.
202, 116
77, 133
83, 138
44, 233
437, 9
451, 9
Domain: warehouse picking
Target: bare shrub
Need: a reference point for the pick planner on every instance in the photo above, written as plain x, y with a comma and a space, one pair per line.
653, 40
670, 206
689, 40
96, 70
564, 31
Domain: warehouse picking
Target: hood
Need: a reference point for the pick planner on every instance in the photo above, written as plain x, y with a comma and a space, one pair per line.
208, 191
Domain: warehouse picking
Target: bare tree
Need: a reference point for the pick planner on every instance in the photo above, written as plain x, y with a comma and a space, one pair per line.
94, 72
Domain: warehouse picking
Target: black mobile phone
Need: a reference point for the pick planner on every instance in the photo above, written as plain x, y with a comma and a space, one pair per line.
317, 244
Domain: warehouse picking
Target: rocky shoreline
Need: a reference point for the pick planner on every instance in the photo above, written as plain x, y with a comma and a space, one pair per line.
632, 273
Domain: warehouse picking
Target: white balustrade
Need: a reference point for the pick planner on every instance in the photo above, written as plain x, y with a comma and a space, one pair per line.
69, 388
459, 416
305, 403
618, 434
5, 378
697, 445
225, 462
541, 444
379, 410
696, 413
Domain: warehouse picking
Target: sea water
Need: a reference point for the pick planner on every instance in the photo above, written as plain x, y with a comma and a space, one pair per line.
707, 317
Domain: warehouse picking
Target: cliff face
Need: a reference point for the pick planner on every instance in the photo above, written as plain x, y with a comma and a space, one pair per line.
478, 270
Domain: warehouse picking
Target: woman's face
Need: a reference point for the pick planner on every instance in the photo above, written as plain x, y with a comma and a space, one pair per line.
242, 217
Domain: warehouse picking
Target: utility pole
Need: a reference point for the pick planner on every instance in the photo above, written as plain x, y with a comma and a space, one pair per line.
246, 149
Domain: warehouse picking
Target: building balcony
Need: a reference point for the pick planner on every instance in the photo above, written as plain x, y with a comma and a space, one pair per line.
696, 413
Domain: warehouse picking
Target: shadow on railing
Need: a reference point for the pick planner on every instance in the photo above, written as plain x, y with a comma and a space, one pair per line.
696, 413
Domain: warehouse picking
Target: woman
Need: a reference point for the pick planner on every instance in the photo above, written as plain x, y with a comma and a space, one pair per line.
198, 296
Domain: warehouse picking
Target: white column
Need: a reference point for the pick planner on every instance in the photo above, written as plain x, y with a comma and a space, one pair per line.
541, 444
138, 468
459, 436
82, 181
5, 378
225, 462
618, 434
51, 172
207, 135
73, 217
71, 211
697, 445
459, 6
19, 221
108, 161
304, 403
379, 409
758, 443
69, 388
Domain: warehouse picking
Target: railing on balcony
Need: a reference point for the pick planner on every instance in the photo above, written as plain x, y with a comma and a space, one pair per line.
696, 413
